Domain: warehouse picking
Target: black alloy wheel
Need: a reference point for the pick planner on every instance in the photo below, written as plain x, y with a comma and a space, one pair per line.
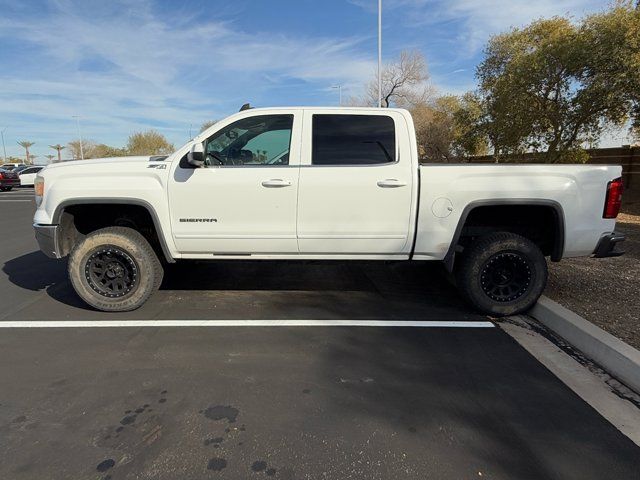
506, 276
111, 272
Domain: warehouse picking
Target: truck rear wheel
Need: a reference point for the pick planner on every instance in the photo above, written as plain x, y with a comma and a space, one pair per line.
114, 269
502, 274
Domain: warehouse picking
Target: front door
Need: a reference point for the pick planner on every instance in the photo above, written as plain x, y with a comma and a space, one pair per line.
243, 201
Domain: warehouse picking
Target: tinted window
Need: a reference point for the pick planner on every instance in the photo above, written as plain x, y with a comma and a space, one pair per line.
259, 140
353, 140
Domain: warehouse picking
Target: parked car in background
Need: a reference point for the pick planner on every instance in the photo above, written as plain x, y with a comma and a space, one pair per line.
11, 166
27, 175
8, 180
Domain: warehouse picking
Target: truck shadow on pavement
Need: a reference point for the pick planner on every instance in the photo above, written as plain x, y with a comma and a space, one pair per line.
34, 271
283, 289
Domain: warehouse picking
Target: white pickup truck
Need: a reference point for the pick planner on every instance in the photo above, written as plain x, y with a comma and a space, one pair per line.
321, 184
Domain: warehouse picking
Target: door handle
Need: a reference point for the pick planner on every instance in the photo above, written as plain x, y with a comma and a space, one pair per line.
276, 183
391, 183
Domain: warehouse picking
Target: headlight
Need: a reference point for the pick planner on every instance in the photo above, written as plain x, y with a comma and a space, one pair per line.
38, 186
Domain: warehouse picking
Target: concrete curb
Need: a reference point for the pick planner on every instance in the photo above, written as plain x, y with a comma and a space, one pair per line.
615, 356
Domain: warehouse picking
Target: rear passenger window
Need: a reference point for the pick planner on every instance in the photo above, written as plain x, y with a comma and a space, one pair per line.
353, 140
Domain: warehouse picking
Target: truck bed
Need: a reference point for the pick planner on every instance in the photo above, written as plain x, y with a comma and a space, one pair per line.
448, 192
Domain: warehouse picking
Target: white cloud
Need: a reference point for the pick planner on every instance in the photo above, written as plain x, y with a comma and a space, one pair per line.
150, 71
476, 20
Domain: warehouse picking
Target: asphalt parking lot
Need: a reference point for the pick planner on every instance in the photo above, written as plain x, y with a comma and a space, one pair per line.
452, 398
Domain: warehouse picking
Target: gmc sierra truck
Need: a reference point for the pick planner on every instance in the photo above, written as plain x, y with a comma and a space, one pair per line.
321, 184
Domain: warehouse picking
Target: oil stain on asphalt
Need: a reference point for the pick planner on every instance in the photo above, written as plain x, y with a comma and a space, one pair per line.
106, 465
131, 415
220, 412
261, 466
213, 441
216, 464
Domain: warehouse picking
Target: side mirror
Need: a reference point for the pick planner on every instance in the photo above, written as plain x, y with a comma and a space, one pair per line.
195, 156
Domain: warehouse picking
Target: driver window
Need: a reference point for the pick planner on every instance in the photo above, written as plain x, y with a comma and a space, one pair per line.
261, 140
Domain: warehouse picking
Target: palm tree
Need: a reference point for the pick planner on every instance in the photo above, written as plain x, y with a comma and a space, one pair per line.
50, 157
59, 148
26, 144
31, 159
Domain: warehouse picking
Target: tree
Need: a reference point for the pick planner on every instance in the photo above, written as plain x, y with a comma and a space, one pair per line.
78, 152
470, 138
404, 83
150, 142
91, 149
104, 151
612, 66
554, 85
26, 144
50, 157
445, 128
207, 124
59, 149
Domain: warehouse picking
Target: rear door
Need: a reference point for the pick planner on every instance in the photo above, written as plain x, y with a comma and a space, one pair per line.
355, 194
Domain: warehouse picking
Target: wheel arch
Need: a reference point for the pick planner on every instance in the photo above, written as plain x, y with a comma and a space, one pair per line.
59, 218
555, 207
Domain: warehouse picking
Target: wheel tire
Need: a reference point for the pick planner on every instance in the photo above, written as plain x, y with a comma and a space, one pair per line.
6, 189
502, 274
114, 269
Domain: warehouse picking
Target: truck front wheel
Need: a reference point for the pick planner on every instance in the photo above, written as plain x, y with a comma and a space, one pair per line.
114, 269
502, 274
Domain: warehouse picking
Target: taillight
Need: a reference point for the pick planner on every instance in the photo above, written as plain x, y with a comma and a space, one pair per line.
613, 200
38, 186
1, 176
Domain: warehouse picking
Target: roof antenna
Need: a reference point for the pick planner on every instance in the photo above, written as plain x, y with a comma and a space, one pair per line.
246, 106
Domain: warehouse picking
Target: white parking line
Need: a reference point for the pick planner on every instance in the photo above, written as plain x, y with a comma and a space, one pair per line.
242, 323
2, 200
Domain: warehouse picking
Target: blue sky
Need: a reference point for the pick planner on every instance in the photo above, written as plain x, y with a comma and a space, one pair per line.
126, 66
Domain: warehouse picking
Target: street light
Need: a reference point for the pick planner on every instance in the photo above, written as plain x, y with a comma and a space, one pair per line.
77, 117
339, 87
3, 147
379, 53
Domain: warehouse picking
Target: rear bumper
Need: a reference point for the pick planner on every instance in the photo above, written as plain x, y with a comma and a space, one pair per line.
607, 244
47, 238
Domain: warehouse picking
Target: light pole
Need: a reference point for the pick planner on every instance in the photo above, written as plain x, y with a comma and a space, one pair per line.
379, 53
339, 87
77, 117
3, 147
